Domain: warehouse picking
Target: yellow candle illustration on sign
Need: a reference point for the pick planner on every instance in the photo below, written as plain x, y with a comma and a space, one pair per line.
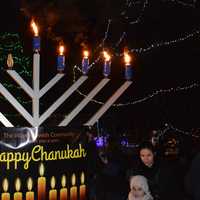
63, 190
30, 194
53, 191
17, 194
41, 184
5, 195
82, 187
73, 189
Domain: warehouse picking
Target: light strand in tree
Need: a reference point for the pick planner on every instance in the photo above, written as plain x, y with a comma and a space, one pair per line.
158, 44
11, 44
182, 3
143, 99
170, 127
101, 45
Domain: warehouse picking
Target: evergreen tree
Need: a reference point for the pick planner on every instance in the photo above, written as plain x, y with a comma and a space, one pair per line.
10, 44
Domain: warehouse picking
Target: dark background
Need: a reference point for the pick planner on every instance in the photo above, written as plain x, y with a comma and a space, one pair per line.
79, 22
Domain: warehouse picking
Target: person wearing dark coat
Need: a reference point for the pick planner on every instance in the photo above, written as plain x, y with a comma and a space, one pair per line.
192, 180
162, 177
93, 163
111, 180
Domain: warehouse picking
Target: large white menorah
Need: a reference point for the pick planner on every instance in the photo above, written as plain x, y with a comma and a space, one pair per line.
35, 93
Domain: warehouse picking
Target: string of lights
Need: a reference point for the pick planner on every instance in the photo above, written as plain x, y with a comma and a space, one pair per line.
152, 46
146, 2
169, 128
166, 43
132, 22
101, 45
129, 5
11, 43
158, 44
182, 3
140, 100
120, 39
148, 48
107, 31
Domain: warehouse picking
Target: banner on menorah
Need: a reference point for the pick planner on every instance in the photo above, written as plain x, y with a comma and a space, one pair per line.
41, 164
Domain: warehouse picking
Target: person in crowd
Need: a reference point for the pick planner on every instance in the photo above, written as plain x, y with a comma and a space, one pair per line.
111, 180
192, 179
93, 162
139, 189
163, 179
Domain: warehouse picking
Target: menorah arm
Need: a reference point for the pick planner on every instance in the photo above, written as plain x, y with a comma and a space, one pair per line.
59, 101
5, 121
84, 102
108, 104
16, 104
50, 84
21, 82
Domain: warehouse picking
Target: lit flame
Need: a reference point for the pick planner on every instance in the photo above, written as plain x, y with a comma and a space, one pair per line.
29, 183
82, 178
63, 181
106, 56
85, 54
10, 61
41, 169
73, 179
127, 58
17, 184
61, 49
5, 184
35, 28
53, 182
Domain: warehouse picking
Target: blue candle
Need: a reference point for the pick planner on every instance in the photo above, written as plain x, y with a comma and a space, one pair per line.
36, 43
128, 67
61, 60
107, 64
60, 63
128, 72
36, 38
85, 62
107, 69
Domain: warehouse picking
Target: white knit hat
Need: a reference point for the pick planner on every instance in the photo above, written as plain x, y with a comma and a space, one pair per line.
141, 181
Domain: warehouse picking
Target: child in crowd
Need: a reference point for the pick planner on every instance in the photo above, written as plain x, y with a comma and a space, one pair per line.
139, 189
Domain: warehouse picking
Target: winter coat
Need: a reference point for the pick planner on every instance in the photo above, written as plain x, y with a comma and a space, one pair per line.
193, 178
162, 179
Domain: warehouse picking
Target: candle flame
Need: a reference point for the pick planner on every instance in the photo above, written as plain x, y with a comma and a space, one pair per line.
127, 58
53, 182
61, 49
5, 184
35, 28
17, 184
73, 179
63, 181
10, 61
85, 54
29, 183
106, 56
41, 169
82, 178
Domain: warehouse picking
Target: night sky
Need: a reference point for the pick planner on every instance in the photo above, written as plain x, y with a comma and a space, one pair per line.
78, 23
